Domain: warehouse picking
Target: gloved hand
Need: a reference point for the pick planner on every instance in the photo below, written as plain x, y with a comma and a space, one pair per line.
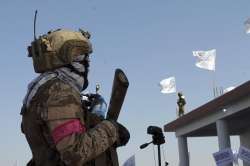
92, 96
99, 106
123, 134
96, 104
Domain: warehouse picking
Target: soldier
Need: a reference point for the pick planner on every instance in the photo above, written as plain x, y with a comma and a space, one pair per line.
54, 122
181, 103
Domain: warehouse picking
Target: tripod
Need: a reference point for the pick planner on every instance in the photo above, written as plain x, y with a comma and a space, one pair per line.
158, 139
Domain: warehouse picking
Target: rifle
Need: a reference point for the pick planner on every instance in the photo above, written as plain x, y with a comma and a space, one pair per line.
118, 93
119, 90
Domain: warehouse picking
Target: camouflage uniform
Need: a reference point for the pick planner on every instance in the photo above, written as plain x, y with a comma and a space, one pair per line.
54, 104
181, 103
55, 124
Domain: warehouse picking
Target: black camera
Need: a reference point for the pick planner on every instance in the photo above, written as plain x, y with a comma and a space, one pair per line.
154, 130
158, 137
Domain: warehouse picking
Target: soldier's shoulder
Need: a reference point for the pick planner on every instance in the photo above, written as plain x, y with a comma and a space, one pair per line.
57, 88
57, 85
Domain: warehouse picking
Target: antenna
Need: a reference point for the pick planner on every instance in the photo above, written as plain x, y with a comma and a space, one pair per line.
35, 25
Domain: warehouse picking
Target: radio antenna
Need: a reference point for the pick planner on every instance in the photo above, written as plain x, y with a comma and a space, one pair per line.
35, 25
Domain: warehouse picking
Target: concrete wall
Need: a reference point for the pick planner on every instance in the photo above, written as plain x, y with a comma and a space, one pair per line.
212, 118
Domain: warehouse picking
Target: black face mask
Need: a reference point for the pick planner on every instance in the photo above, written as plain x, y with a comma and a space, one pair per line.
86, 81
85, 62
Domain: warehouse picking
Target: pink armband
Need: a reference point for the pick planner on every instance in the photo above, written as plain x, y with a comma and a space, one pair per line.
66, 129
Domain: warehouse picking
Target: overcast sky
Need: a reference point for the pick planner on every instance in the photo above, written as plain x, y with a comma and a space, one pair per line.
150, 40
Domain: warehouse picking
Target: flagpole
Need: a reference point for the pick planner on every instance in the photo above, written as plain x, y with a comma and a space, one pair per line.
206, 60
176, 93
214, 78
214, 84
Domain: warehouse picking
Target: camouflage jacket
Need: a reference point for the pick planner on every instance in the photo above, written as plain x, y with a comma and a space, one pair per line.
55, 105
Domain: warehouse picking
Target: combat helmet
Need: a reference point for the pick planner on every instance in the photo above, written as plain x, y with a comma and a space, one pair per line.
58, 48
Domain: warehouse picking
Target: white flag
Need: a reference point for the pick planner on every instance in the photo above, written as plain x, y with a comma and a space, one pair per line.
247, 26
205, 59
130, 161
168, 85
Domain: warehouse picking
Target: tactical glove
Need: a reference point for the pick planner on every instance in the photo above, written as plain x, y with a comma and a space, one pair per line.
96, 104
123, 134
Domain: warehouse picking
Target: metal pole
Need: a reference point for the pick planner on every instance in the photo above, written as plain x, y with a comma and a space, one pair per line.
159, 155
214, 84
223, 135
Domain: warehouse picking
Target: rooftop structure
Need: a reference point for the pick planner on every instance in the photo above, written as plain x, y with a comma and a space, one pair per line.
228, 114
